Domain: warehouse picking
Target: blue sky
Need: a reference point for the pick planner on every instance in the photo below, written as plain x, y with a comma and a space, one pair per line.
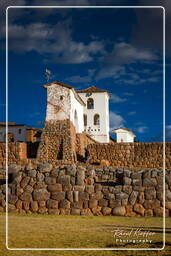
116, 49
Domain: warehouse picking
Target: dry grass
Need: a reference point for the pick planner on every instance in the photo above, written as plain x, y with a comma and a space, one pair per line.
50, 231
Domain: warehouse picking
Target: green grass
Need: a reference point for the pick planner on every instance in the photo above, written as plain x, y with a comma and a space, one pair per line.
53, 231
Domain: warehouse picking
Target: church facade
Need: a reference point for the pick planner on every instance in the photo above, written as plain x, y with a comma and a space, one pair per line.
87, 109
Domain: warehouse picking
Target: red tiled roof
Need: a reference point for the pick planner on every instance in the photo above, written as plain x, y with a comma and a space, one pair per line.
91, 89
58, 83
126, 129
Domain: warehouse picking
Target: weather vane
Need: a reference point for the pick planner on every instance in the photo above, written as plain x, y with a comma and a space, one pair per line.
47, 74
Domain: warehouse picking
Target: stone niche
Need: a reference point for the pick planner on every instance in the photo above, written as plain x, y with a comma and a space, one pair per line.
58, 142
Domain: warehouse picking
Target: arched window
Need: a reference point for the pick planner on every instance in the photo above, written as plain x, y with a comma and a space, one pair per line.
96, 119
85, 119
90, 103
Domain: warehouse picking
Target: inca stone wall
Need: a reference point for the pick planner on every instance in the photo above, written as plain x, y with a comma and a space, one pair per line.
58, 143
146, 155
86, 190
17, 153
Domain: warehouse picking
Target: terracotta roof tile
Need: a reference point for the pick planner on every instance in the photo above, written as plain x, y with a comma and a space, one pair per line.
91, 89
58, 83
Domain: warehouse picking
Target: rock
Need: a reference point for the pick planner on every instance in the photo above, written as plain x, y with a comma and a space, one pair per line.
133, 197
75, 211
14, 169
26, 205
55, 172
136, 182
41, 194
103, 202
151, 204
150, 194
69, 196
148, 213
80, 176
58, 195
52, 204
79, 188
121, 196
64, 179
24, 181
50, 180
71, 170
158, 212
119, 211
138, 208
77, 205
149, 182
168, 195
136, 175
12, 199
127, 189
65, 204
28, 189
54, 211
93, 203
89, 188
45, 167
168, 205
98, 187
86, 212
106, 211
42, 210
40, 177
34, 206
32, 173
83, 196
65, 211
141, 198
97, 211
89, 181
97, 195
127, 181
19, 204
55, 188
26, 196
42, 203
114, 203
12, 208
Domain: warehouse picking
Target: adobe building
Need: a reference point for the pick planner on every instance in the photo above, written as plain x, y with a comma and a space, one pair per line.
73, 120
124, 135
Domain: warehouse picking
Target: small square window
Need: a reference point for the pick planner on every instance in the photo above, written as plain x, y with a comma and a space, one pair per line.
19, 131
61, 97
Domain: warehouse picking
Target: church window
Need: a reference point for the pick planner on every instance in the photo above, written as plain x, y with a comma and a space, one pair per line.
19, 131
90, 103
85, 120
96, 119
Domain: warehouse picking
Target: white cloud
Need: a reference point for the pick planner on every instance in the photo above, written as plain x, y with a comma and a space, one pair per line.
132, 113
116, 99
56, 41
142, 129
116, 120
82, 79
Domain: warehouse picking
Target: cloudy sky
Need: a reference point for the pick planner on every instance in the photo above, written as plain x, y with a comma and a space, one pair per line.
118, 49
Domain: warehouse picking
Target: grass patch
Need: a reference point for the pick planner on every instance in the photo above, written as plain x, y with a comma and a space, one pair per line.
59, 231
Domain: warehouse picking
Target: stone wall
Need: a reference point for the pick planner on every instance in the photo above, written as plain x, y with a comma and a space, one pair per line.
17, 153
58, 143
145, 155
86, 190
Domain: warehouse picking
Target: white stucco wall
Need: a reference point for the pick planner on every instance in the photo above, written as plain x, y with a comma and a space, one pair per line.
57, 108
65, 108
101, 107
15, 131
77, 108
124, 136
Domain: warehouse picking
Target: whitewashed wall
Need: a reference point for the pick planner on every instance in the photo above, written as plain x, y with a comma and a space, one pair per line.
15, 131
101, 107
124, 136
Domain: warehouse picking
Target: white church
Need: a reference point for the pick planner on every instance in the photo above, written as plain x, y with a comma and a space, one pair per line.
87, 109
